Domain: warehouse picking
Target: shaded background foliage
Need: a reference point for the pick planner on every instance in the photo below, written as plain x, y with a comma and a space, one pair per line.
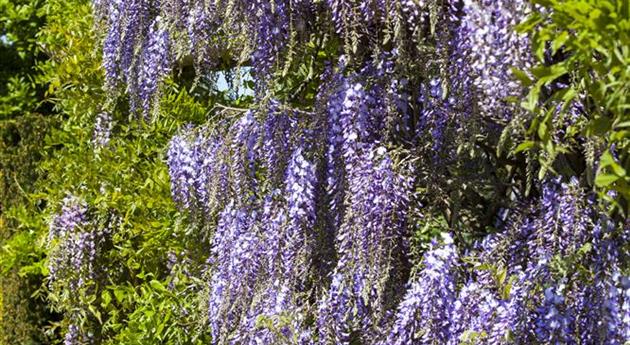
24, 121
152, 268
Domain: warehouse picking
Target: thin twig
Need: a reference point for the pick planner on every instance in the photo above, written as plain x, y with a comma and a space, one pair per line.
225, 107
20, 188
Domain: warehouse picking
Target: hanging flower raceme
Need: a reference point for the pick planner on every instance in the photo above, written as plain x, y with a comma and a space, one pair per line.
244, 146
425, 313
484, 47
181, 166
199, 171
434, 117
300, 192
553, 324
156, 64
73, 256
270, 24
287, 256
76, 243
112, 43
236, 260
277, 129
354, 117
366, 277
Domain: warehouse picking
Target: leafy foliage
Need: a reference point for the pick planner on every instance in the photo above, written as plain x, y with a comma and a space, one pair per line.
578, 93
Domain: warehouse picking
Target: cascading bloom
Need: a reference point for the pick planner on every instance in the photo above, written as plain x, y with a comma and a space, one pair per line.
76, 242
200, 23
199, 171
73, 214
270, 25
181, 168
111, 44
300, 187
371, 232
266, 184
354, 116
483, 48
553, 325
434, 115
287, 254
277, 129
244, 146
236, 262
426, 312
156, 64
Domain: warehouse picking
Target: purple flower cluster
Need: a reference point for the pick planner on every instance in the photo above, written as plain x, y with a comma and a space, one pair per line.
73, 214
198, 171
270, 25
261, 254
155, 63
130, 29
102, 129
528, 300
434, 117
276, 140
75, 242
235, 257
354, 117
201, 21
553, 325
518, 293
74, 254
425, 314
374, 223
484, 46
301, 181
111, 44
181, 166
285, 257
74, 336
245, 154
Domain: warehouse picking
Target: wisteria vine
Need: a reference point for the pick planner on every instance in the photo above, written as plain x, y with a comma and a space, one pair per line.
311, 213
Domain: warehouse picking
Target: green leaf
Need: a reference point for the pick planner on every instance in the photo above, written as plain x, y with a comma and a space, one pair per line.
524, 146
95, 312
119, 294
599, 126
559, 41
522, 77
156, 285
543, 131
106, 299
603, 179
